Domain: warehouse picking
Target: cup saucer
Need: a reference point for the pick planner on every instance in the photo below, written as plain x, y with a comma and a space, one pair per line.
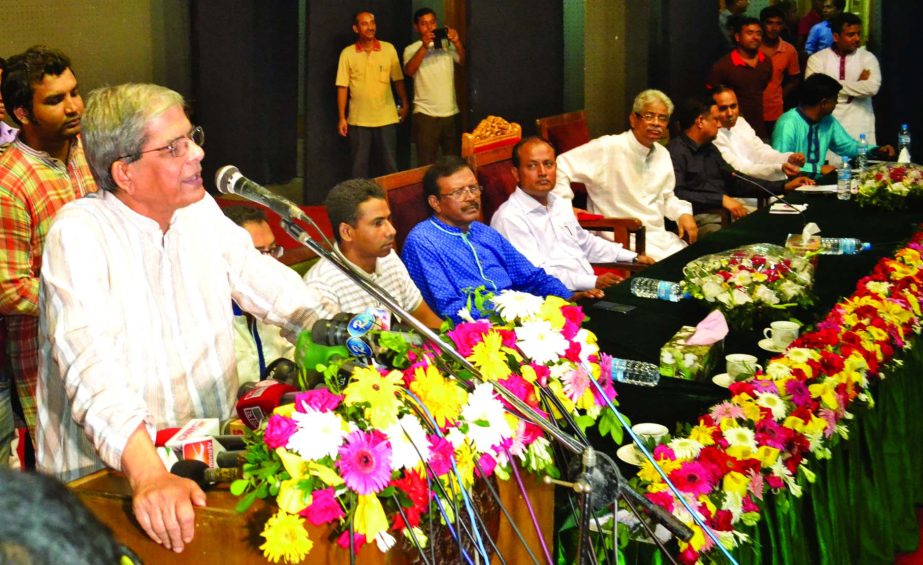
768, 345
723, 380
628, 454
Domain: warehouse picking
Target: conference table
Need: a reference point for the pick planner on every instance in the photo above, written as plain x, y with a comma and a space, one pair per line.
861, 507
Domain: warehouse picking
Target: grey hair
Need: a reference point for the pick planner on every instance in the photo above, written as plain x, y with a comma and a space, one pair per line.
650, 96
115, 123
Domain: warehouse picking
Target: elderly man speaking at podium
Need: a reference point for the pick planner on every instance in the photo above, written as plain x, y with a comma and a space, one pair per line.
136, 326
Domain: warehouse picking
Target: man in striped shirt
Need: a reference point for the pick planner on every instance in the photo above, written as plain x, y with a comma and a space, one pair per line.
136, 324
41, 171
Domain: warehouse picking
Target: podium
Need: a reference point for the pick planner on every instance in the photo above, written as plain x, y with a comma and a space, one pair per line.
225, 536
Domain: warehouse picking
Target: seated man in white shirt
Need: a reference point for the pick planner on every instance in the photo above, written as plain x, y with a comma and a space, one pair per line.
256, 344
135, 323
631, 175
362, 227
542, 226
743, 150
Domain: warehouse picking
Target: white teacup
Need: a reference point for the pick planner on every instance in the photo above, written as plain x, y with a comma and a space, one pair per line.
782, 333
648, 433
741, 364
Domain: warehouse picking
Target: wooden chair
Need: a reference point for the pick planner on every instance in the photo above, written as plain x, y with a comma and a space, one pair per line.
476, 142
565, 132
404, 190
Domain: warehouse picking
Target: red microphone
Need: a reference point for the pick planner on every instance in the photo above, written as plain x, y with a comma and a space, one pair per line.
257, 404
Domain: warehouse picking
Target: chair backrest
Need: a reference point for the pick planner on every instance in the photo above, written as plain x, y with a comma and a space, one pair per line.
493, 132
564, 131
494, 171
294, 251
405, 198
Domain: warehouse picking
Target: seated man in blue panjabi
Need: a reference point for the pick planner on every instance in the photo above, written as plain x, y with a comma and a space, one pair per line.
451, 251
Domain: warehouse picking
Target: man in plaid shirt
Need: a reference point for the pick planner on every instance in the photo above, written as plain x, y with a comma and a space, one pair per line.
41, 171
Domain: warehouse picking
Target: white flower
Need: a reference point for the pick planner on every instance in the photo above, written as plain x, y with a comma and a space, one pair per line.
319, 434
790, 290
408, 443
725, 298
512, 304
900, 189
685, 448
541, 342
385, 541
741, 278
764, 294
487, 426
773, 403
538, 455
799, 354
740, 297
711, 290
465, 315
740, 437
587, 348
880, 288
690, 359
777, 371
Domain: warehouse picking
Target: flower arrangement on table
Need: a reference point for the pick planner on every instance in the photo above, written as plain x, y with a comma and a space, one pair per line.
759, 280
393, 447
760, 439
890, 185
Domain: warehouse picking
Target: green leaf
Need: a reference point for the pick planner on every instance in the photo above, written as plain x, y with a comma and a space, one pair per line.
239, 486
246, 502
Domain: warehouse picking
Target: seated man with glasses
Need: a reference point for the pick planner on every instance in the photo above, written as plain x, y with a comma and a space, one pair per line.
135, 327
630, 175
257, 344
451, 251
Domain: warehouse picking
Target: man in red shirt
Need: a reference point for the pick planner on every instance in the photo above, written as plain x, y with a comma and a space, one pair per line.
786, 73
812, 18
747, 70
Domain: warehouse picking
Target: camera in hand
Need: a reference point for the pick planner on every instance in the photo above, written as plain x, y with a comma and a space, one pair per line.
439, 35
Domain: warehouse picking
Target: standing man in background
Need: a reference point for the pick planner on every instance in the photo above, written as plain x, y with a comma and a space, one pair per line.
786, 72
431, 62
7, 133
364, 76
41, 171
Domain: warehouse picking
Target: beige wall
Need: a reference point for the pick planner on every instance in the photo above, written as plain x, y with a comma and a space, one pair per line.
109, 41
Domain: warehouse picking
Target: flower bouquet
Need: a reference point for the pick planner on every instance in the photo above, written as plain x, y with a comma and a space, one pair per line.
394, 451
751, 282
891, 186
763, 438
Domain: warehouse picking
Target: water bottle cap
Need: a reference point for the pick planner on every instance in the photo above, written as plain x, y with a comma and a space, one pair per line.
903, 126
861, 136
866, 246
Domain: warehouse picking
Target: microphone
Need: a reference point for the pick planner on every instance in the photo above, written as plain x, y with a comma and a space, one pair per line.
353, 331
229, 181
202, 474
760, 186
258, 403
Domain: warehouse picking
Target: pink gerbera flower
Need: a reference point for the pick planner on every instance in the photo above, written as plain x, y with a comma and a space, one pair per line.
692, 477
278, 430
365, 461
320, 400
726, 411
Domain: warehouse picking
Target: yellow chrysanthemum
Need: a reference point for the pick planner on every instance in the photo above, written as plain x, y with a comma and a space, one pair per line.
380, 392
825, 391
736, 482
767, 455
442, 397
490, 357
702, 434
649, 474
566, 402
551, 311
286, 538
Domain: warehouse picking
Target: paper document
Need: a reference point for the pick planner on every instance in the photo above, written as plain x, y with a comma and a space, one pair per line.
818, 188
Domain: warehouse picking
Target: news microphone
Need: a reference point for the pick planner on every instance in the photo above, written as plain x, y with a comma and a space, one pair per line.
229, 181
258, 403
352, 331
202, 474
230, 459
772, 195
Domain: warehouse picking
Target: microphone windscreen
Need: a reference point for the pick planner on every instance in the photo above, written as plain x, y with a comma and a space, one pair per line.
224, 179
191, 469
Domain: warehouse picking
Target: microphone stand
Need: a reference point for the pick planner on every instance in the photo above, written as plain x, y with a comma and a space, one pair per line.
772, 195
594, 476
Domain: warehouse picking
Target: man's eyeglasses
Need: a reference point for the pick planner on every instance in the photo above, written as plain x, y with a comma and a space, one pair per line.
651, 117
273, 250
458, 194
179, 147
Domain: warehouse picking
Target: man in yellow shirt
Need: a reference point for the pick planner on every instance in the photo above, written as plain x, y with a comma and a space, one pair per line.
364, 76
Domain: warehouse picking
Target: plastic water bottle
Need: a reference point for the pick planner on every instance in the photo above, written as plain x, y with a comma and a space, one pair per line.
635, 372
644, 287
844, 180
862, 154
842, 246
903, 140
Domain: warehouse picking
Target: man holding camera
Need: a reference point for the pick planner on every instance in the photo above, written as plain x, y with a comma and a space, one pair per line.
431, 62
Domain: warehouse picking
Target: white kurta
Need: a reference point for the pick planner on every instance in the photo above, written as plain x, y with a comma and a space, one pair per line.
626, 179
551, 238
854, 104
136, 324
747, 153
